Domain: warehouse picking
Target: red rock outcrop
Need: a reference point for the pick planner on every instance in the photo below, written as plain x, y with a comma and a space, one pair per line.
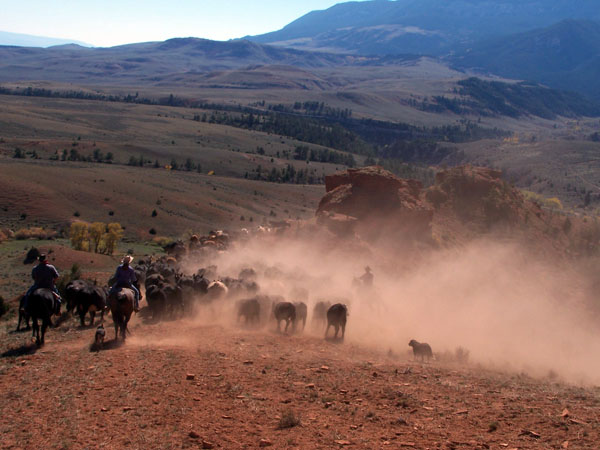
375, 203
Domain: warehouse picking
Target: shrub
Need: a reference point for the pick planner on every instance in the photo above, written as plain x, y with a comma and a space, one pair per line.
154, 213
288, 420
152, 231
162, 241
34, 233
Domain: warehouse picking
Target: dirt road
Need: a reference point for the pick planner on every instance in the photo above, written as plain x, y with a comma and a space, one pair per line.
184, 385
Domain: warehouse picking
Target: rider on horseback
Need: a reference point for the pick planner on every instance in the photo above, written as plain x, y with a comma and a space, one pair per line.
44, 276
125, 278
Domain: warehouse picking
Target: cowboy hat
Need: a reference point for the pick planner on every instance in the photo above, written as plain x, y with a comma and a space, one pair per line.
127, 259
42, 257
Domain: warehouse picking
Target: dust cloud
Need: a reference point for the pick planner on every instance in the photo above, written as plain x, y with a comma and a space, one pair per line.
511, 310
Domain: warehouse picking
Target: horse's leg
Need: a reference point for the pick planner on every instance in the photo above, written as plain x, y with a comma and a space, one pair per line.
116, 322
20, 318
92, 317
343, 330
81, 315
44, 327
36, 330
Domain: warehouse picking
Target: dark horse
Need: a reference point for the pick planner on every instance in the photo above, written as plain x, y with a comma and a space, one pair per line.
40, 306
121, 307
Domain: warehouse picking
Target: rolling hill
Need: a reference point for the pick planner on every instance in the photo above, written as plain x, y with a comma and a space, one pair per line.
148, 62
433, 27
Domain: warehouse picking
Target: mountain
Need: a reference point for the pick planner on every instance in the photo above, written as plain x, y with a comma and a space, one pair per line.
565, 56
152, 61
26, 40
432, 27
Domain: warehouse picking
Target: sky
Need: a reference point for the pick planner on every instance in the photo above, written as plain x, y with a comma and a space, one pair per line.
105, 23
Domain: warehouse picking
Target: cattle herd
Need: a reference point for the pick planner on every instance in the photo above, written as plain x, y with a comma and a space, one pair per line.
172, 291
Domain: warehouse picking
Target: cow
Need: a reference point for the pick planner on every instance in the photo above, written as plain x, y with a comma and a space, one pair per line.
336, 317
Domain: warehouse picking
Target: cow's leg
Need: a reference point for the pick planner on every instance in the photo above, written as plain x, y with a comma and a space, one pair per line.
92, 317
327, 329
343, 330
337, 328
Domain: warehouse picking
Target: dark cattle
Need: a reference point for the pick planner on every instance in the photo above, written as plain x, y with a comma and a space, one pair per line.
41, 307
175, 249
23, 315
174, 297
250, 310
285, 311
336, 317
216, 291
301, 312
121, 306
157, 300
421, 350
85, 296
240, 287
153, 280
247, 274
319, 317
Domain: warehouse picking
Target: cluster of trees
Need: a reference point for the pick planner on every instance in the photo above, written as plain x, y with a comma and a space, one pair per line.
97, 237
305, 129
289, 174
303, 153
313, 108
517, 99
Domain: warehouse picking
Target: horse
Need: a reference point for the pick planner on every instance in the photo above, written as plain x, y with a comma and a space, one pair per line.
40, 305
121, 306
23, 315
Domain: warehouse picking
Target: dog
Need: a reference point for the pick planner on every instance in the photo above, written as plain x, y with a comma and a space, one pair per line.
99, 338
421, 350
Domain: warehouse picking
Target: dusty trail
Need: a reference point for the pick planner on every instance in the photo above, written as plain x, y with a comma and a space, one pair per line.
137, 396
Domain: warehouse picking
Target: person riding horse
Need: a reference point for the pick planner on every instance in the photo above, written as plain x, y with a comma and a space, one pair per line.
367, 278
125, 278
44, 277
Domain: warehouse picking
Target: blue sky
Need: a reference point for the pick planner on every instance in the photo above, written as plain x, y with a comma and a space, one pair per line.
113, 22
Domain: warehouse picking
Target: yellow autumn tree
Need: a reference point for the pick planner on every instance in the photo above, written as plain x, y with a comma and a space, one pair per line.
96, 231
110, 239
78, 234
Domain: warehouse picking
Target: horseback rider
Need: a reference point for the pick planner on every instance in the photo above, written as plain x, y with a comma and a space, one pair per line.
125, 278
367, 277
44, 277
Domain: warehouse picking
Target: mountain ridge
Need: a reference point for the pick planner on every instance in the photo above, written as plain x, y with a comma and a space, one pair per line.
447, 23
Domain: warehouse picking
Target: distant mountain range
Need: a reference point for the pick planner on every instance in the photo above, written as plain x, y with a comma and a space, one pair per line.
27, 40
152, 62
565, 55
433, 27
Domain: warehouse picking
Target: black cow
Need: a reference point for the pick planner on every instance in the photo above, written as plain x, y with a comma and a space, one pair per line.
301, 313
85, 296
336, 317
285, 311
250, 310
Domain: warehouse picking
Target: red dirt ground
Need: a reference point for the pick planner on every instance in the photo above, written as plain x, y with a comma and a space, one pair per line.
244, 384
